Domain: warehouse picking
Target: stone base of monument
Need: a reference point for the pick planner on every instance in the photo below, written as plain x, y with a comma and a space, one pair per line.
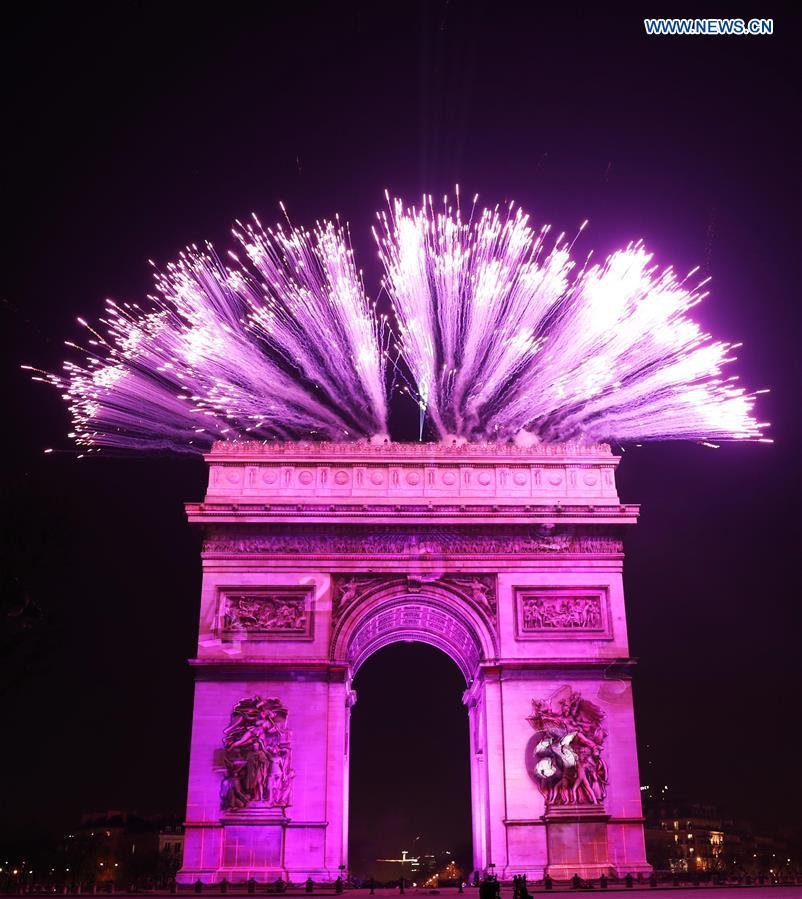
254, 841
256, 813
576, 838
259, 842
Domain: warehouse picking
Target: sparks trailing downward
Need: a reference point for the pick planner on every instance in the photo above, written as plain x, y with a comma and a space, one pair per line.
503, 336
507, 339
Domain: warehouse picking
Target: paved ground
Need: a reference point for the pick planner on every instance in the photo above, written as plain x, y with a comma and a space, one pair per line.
727, 892
711, 892
706, 892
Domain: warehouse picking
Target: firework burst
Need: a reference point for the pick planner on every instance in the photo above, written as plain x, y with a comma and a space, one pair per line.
282, 345
507, 338
503, 336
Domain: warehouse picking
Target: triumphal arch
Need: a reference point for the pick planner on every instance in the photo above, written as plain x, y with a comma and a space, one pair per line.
508, 559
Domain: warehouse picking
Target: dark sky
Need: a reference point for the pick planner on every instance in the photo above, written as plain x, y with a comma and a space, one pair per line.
135, 129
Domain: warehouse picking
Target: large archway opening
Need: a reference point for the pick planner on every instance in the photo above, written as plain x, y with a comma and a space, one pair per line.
410, 787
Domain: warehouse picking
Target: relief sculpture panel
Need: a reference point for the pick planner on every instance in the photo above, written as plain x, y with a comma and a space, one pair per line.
278, 613
547, 614
258, 769
565, 756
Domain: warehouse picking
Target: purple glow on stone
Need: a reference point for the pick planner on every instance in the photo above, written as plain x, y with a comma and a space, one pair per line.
533, 690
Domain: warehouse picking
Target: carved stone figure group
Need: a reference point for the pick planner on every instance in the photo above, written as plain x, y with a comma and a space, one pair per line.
568, 764
401, 540
257, 756
541, 612
264, 613
348, 589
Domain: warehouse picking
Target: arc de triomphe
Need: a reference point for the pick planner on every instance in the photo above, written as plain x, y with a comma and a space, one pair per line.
508, 559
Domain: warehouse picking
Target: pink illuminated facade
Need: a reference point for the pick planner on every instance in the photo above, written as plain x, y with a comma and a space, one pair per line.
507, 559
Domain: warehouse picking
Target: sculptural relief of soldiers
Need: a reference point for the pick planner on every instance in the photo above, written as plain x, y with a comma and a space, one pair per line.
257, 756
567, 761
544, 612
264, 613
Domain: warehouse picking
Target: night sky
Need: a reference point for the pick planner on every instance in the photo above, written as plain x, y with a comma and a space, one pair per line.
134, 130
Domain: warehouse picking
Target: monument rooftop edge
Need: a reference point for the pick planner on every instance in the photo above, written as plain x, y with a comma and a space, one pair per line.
346, 482
435, 451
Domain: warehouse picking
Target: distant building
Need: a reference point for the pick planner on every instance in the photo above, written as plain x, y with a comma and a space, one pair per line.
425, 868
171, 847
108, 847
694, 837
122, 847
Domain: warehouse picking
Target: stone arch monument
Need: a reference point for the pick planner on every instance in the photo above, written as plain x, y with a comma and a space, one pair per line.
508, 559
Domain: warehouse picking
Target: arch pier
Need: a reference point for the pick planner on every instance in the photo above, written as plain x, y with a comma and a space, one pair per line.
508, 559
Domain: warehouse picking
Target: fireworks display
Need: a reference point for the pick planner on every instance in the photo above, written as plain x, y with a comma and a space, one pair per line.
280, 345
498, 335
506, 337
